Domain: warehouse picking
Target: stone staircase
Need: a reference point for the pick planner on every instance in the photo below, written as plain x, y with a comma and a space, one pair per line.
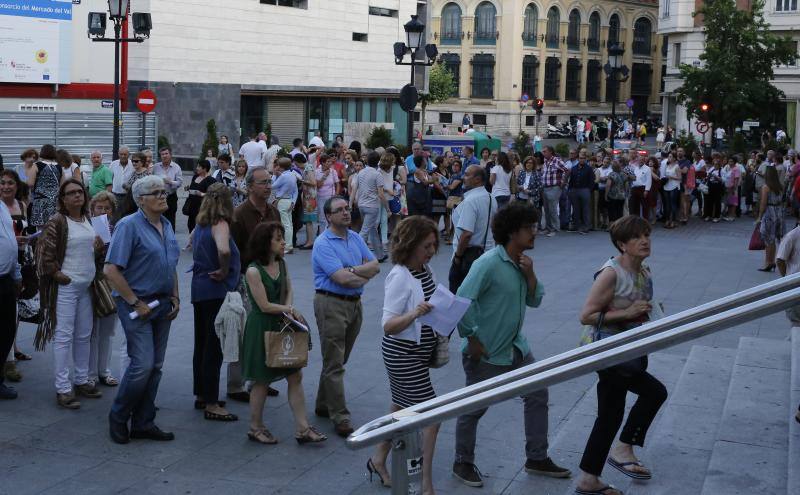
727, 427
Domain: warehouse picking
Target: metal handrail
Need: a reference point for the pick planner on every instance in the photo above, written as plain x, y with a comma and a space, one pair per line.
408, 422
657, 327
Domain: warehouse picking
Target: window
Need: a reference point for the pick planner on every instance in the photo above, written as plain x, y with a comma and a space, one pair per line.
382, 12
665, 9
445, 118
553, 27
36, 107
552, 78
530, 28
479, 118
359, 36
793, 62
641, 75
530, 120
593, 72
452, 62
664, 45
574, 30
530, 74
416, 116
485, 24
482, 76
613, 29
676, 55
785, 5
573, 85
451, 24
593, 43
663, 75
642, 32
298, 4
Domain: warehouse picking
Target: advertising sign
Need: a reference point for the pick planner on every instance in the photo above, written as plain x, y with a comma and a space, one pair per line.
35, 41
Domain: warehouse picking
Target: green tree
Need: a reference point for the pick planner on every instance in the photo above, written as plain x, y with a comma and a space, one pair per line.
737, 65
522, 145
211, 139
441, 87
380, 137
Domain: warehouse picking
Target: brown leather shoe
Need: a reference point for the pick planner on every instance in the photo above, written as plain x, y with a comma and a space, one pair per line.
343, 428
88, 390
67, 401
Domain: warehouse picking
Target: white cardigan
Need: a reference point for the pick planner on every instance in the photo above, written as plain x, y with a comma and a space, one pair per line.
403, 293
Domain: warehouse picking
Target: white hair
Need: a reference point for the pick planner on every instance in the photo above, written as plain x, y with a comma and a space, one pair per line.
145, 185
98, 152
124, 148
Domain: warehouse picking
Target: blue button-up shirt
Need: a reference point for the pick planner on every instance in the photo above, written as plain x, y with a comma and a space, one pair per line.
413, 168
284, 186
9, 251
331, 253
146, 258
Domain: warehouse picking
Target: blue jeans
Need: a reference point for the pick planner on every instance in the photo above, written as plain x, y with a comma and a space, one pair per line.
369, 228
147, 344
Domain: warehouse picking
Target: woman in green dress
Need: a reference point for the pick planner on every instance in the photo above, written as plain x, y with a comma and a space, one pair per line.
266, 277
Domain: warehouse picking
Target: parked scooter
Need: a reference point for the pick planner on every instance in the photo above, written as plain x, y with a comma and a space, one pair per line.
564, 130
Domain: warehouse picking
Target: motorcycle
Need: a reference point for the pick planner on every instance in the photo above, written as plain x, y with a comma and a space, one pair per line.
564, 130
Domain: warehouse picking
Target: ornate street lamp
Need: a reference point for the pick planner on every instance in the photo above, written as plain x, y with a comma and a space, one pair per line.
415, 35
614, 68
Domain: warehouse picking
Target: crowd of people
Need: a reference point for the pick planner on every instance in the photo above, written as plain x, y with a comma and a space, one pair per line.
354, 208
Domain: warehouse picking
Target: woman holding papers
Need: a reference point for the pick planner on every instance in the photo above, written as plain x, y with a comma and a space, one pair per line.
408, 345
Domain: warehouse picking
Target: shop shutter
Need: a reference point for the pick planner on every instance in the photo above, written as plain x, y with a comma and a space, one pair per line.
287, 116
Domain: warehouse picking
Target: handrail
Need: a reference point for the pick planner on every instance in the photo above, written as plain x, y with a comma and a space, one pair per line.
600, 355
653, 328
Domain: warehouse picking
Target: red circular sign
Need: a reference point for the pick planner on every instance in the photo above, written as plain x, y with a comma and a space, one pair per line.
146, 101
701, 127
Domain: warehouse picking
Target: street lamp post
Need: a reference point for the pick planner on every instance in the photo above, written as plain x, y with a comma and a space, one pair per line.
142, 24
613, 69
414, 42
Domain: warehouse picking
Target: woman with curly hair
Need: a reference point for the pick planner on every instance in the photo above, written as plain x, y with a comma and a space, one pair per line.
408, 345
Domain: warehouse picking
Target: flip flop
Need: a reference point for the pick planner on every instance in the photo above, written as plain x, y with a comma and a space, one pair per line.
620, 466
212, 416
599, 491
21, 356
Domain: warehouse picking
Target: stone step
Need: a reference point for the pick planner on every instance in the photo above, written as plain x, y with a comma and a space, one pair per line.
679, 447
749, 455
793, 481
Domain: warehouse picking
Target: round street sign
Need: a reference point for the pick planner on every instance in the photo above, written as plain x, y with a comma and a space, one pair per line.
408, 97
146, 101
701, 127
629, 103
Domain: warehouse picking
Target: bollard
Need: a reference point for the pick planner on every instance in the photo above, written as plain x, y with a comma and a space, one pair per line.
406, 463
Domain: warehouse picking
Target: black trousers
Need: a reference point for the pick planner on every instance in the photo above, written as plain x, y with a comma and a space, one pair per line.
713, 203
172, 209
207, 358
615, 209
611, 391
8, 318
637, 205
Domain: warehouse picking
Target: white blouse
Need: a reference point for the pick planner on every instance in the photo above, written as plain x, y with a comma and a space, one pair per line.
403, 293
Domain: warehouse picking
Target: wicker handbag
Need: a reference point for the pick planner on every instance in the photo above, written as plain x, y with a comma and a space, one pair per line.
102, 299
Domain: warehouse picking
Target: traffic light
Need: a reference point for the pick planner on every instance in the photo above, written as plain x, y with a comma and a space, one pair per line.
705, 107
538, 105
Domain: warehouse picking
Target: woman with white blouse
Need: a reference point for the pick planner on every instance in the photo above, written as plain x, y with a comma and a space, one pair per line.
408, 345
672, 191
500, 179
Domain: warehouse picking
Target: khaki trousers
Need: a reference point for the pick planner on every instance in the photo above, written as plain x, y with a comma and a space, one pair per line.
339, 322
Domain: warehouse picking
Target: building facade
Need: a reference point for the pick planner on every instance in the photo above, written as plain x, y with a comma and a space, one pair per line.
685, 43
499, 50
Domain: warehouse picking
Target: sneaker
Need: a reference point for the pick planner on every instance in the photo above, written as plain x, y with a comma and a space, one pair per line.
88, 390
467, 473
550, 233
67, 401
7, 392
546, 467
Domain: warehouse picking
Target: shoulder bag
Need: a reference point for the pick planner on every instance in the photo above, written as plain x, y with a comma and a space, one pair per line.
102, 298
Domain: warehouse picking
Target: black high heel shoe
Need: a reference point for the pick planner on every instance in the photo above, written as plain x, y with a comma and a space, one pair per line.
371, 468
768, 268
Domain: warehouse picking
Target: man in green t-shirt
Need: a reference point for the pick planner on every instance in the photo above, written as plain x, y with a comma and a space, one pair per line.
102, 177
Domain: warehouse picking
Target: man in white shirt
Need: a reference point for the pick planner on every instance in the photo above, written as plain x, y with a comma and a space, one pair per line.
122, 170
252, 153
580, 127
640, 188
719, 135
780, 135
173, 180
224, 173
370, 199
317, 140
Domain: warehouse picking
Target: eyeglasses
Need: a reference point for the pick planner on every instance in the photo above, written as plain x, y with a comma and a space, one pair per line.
341, 210
136, 161
73, 192
157, 194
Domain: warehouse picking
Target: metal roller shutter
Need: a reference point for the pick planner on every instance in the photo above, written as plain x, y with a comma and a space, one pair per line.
287, 116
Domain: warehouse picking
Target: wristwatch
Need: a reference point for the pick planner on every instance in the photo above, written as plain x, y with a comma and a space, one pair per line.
351, 270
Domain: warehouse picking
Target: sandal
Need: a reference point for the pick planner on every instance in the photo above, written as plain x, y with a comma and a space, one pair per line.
212, 416
108, 381
622, 468
599, 491
21, 356
262, 436
310, 435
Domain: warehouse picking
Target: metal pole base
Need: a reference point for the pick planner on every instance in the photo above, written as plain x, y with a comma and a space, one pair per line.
406, 463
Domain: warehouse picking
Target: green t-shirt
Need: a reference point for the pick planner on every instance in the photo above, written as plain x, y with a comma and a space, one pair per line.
102, 177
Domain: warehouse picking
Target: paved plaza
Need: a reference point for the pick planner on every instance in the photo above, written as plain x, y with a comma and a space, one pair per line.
46, 449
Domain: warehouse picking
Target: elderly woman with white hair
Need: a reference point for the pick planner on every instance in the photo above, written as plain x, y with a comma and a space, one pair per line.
141, 267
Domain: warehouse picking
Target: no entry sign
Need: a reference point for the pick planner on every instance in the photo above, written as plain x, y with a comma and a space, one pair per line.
146, 101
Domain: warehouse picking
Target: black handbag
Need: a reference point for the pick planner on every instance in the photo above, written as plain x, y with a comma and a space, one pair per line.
628, 368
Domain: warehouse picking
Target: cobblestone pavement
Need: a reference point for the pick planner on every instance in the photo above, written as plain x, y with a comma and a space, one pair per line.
45, 449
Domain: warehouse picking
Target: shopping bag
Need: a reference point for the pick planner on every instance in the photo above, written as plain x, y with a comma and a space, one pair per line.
288, 347
756, 242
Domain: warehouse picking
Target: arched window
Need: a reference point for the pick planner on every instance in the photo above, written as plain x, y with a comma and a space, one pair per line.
574, 30
451, 24
485, 24
641, 36
530, 28
593, 42
613, 29
552, 78
553, 27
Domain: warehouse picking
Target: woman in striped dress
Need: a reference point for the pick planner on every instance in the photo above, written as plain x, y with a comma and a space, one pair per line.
408, 345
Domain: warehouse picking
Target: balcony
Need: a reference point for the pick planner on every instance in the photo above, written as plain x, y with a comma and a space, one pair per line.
486, 37
593, 44
573, 43
552, 41
451, 37
529, 39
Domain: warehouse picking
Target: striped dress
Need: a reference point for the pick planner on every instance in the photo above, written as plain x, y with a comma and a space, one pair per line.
407, 363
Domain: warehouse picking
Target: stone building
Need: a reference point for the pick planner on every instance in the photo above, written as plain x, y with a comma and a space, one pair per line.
499, 50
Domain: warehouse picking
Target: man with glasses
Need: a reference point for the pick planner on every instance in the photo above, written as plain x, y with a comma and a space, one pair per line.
500, 285
173, 180
342, 264
471, 219
245, 219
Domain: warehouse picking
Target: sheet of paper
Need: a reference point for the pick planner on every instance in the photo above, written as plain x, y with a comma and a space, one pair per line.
296, 322
448, 309
102, 228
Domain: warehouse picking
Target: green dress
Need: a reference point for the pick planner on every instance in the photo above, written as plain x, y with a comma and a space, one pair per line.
254, 356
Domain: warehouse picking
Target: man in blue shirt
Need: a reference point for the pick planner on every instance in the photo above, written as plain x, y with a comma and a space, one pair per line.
343, 264
469, 157
284, 188
417, 150
140, 265
10, 280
